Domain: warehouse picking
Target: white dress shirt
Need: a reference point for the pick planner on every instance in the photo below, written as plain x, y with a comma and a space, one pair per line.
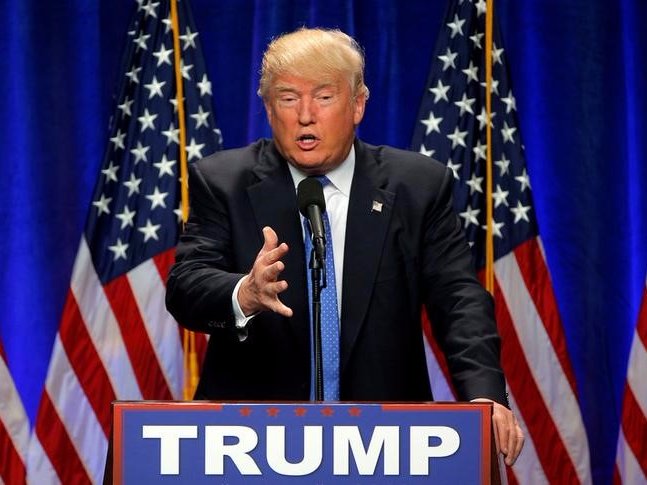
337, 195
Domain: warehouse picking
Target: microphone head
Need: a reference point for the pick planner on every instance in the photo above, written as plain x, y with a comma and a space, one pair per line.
310, 192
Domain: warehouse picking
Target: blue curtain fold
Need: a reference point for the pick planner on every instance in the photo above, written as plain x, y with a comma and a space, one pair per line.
578, 71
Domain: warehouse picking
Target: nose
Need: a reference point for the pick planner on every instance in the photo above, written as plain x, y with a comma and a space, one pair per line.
306, 111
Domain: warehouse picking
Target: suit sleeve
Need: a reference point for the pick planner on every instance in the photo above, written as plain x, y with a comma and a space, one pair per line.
460, 310
201, 281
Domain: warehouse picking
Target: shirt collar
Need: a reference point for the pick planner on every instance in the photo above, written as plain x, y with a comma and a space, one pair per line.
341, 176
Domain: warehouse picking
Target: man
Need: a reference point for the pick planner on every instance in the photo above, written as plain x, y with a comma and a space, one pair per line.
397, 245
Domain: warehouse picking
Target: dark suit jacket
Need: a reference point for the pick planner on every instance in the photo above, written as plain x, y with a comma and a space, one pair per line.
410, 253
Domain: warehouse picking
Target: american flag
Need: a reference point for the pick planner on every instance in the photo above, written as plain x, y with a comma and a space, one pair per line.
116, 341
14, 428
631, 455
452, 129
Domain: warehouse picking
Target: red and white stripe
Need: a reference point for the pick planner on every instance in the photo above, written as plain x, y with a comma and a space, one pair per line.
14, 429
631, 454
115, 342
541, 383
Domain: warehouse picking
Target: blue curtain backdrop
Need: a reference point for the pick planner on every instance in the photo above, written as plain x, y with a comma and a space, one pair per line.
579, 72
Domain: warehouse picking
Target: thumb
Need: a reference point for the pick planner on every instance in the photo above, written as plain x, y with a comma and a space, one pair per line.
270, 239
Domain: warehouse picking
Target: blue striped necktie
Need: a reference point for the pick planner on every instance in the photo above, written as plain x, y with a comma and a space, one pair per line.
329, 312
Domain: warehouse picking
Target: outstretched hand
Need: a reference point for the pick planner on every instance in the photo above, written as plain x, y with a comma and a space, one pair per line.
260, 289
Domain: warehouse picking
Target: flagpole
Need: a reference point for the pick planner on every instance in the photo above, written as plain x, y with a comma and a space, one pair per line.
184, 182
489, 236
188, 341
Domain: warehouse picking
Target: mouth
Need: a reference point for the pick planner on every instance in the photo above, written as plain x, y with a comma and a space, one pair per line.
307, 141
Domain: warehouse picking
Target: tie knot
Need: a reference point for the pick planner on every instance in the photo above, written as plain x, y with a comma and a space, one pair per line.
323, 180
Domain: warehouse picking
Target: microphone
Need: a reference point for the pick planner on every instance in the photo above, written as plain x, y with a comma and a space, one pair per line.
312, 205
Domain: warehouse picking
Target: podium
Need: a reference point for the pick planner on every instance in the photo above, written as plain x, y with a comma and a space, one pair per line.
312, 443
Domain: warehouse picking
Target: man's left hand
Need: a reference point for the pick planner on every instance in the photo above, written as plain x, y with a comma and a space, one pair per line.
508, 435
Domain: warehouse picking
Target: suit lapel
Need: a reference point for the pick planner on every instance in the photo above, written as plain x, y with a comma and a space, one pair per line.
369, 213
273, 201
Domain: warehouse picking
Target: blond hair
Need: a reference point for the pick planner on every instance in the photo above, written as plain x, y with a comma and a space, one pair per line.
314, 54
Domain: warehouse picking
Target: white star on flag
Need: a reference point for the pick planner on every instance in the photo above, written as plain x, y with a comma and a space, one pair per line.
482, 118
523, 180
157, 198
154, 89
456, 26
465, 105
118, 139
102, 205
474, 183
133, 74
165, 166
508, 132
140, 152
126, 217
425, 152
520, 212
496, 228
448, 59
500, 196
440, 91
471, 72
163, 56
185, 70
132, 184
200, 118
147, 120
125, 106
189, 39
149, 230
204, 86
194, 150
141, 41
432, 123
119, 249
454, 167
149, 9
457, 137
110, 172
470, 216
172, 134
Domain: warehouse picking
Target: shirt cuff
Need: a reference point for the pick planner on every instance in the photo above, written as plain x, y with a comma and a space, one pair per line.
241, 320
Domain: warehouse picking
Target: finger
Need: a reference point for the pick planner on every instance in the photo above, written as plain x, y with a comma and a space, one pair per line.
283, 310
276, 305
275, 254
503, 427
518, 444
511, 445
272, 272
272, 290
270, 239
497, 440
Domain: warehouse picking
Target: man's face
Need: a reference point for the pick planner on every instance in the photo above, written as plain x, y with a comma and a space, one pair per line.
313, 123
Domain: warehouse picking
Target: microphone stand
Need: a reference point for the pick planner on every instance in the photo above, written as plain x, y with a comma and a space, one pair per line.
317, 270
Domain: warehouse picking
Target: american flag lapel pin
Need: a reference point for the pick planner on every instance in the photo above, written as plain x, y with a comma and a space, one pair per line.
377, 206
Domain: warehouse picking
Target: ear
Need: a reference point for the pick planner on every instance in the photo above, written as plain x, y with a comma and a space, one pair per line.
359, 105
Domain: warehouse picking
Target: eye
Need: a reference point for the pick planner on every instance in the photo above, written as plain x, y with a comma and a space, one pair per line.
325, 98
287, 100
